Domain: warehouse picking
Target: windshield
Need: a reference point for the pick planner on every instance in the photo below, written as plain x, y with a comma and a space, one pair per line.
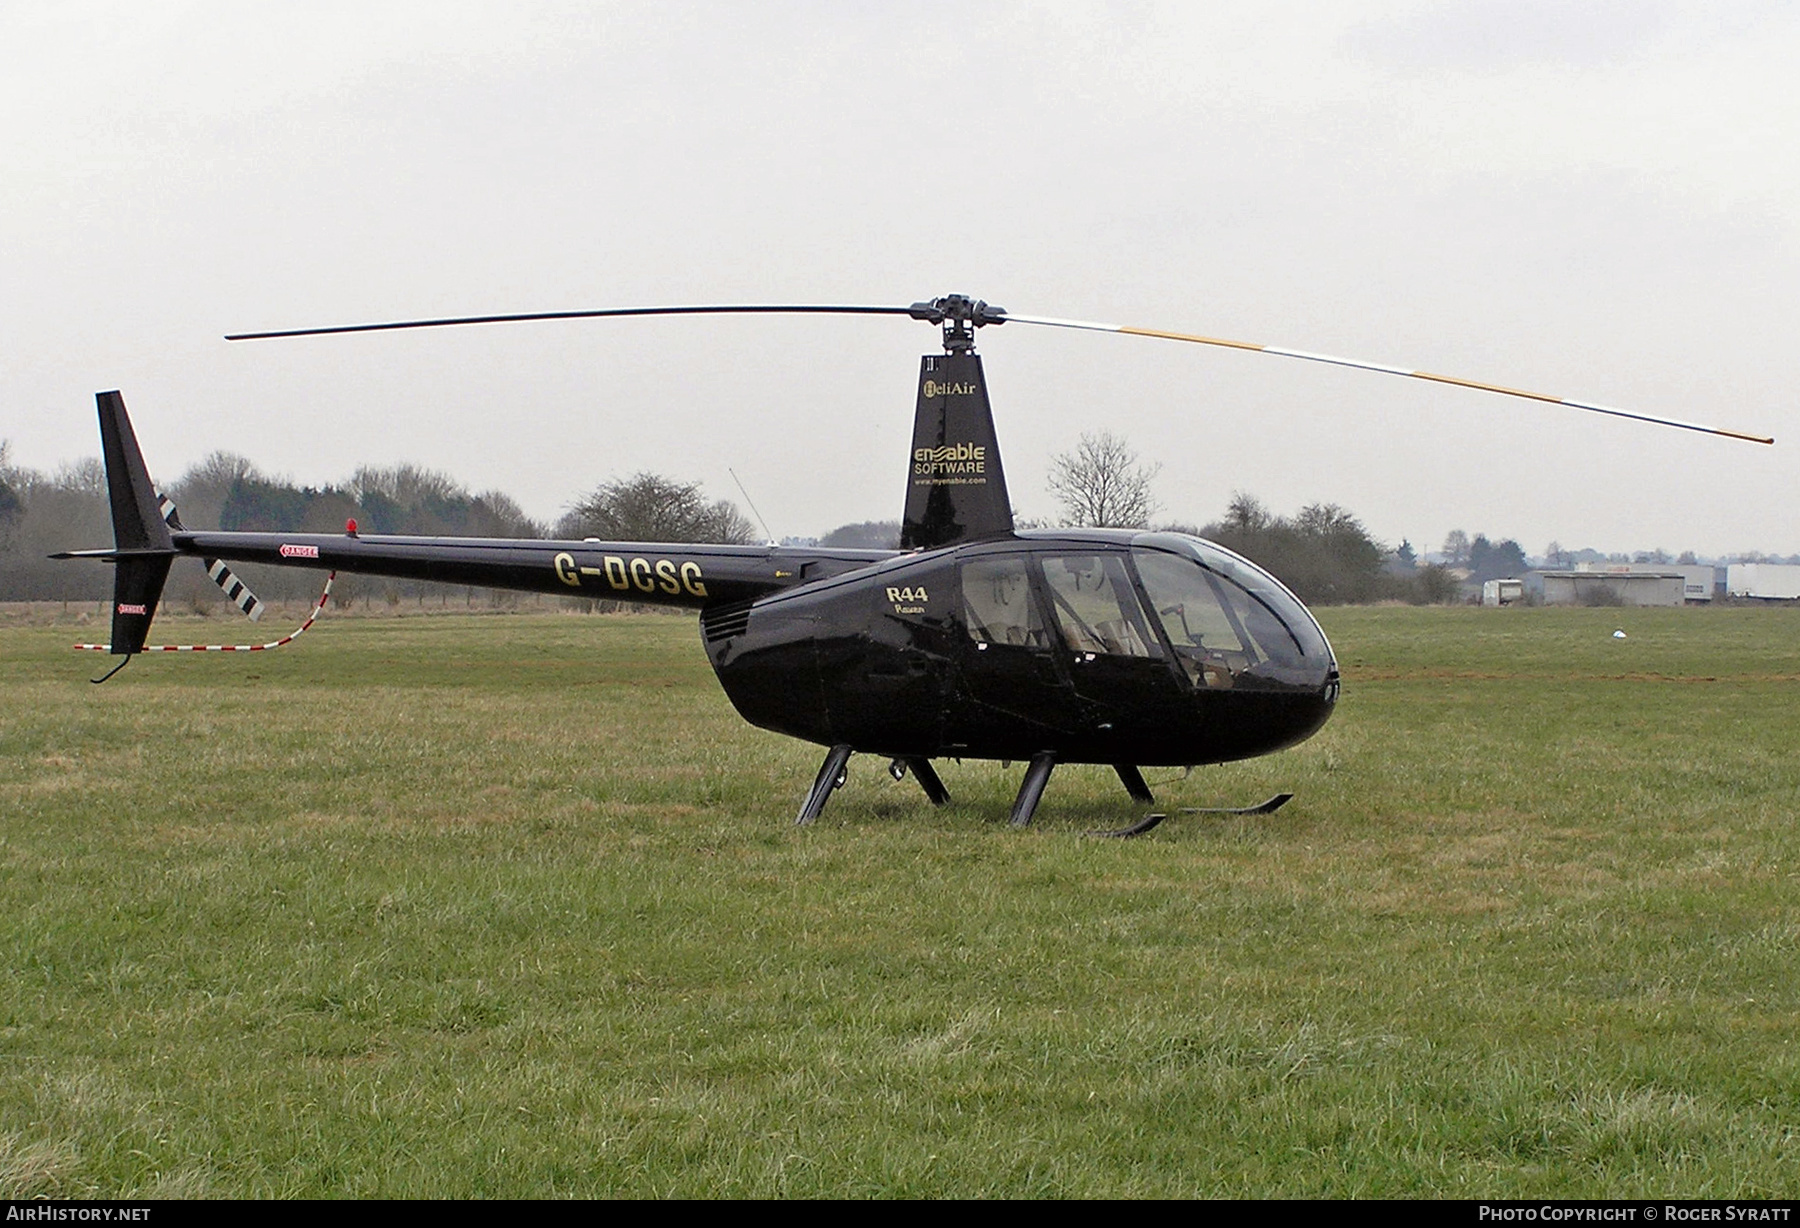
1230, 622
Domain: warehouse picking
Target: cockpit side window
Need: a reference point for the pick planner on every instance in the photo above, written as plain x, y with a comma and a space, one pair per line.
997, 603
1096, 608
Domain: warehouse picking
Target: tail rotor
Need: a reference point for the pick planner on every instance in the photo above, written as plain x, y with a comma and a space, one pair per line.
223, 576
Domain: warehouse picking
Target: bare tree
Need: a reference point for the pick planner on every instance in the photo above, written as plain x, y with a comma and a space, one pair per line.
648, 507
12, 501
54, 512
865, 535
1101, 484
86, 476
1246, 514
405, 484
202, 491
1456, 548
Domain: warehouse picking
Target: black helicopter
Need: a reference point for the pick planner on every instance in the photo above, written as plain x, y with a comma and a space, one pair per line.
974, 641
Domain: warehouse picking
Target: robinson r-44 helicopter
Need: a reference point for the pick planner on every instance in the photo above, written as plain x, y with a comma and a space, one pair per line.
975, 640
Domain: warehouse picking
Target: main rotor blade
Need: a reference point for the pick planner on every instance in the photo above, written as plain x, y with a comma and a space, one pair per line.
710, 309
1129, 330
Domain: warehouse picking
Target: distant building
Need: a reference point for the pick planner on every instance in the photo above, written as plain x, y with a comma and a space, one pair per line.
1770, 581
1622, 585
1699, 581
1502, 592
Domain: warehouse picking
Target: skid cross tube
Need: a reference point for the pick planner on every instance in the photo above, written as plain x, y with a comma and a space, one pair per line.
1133, 780
830, 778
1031, 789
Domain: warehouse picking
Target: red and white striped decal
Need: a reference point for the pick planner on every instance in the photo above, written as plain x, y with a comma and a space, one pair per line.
286, 639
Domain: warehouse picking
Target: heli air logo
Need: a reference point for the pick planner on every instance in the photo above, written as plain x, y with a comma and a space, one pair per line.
933, 388
955, 464
908, 600
639, 573
299, 552
132, 609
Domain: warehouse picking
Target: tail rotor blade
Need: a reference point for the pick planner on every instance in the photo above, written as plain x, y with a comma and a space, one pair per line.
223, 576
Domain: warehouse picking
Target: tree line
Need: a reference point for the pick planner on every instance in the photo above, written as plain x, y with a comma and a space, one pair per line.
1324, 553
44, 512
1327, 557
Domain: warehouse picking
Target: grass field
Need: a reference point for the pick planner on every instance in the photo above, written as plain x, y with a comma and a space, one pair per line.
511, 906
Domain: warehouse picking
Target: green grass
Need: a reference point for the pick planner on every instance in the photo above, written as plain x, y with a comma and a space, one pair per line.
512, 906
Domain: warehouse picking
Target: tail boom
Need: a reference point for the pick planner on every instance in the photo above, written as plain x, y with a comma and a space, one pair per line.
689, 575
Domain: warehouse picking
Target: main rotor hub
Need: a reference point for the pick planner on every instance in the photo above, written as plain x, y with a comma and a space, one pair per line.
961, 316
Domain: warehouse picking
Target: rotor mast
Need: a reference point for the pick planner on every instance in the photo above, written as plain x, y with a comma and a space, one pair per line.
955, 488
960, 316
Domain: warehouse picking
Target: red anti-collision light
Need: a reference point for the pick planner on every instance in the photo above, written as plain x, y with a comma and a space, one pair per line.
350, 527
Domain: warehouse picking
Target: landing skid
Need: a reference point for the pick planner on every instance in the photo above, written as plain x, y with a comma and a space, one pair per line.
834, 770
1269, 807
1151, 821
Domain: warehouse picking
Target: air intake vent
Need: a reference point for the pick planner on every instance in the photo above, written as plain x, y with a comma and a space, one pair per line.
721, 622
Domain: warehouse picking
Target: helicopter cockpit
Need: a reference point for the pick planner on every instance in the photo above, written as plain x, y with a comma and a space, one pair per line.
1216, 619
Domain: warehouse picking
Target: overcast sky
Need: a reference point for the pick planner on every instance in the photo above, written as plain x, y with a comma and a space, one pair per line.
1589, 198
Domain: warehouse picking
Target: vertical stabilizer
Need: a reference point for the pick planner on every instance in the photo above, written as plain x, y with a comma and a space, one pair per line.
140, 537
955, 488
